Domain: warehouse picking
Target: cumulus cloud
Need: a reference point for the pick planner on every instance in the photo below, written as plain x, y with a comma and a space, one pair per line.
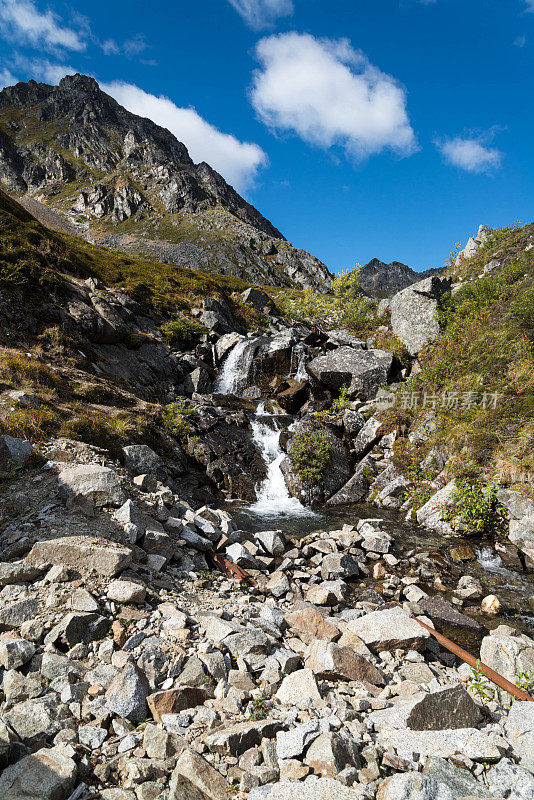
471, 153
260, 14
22, 21
7, 78
239, 162
330, 94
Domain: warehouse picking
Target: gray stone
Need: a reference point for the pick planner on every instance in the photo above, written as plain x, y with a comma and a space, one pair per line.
431, 514
440, 610
330, 753
91, 736
201, 774
413, 786
339, 565
82, 600
389, 630
44, 775
357, 486
20, 450
78, 627
310, 789
414, 312
139, 459
17, 572
82, 553
234, 740
460, 781
478, 745
520, 732
271, 541
519, 505
511, 781
93, 483
358, 369
508, 655
126, 697
299, 687
293, 743
36, 719
366, 438
15, 652
451, 707
193, 539
126, 592
15, 614
331, 661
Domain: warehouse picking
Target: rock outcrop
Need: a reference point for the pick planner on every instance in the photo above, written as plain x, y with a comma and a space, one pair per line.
414, 317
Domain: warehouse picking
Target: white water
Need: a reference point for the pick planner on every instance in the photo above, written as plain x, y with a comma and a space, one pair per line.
299, 352
236, 368
273, 495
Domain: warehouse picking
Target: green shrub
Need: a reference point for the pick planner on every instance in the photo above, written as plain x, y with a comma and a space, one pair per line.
474, 504
311, 454
101, 430
183, 332
340, 403
175, 420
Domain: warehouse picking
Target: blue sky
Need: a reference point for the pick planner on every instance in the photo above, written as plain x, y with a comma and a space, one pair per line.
361, 128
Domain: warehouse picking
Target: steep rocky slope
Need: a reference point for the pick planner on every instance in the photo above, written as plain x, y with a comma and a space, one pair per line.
135, 186
383, 280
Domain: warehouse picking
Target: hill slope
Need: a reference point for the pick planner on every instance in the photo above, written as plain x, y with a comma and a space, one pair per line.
135, 187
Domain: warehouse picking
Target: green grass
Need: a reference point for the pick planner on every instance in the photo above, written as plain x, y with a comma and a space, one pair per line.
485, 355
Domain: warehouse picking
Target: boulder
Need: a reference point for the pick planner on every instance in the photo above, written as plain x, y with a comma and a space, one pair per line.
15, 614
44, 775
358, 369
310, 624
172, 701
14, 653
19, 451
126, 592
451, 707
389, 630
311, 789
478, 745
474, 243
520, 732
509, 780
139, 459
431, 514
127, 695
201, 774
83, 553
17, 572
77, 627
414, 312
336, 474
299, 687
414, 786
339, 565
357, 486
460, 781
329, 661
331, 753
293, 743
257, 299
92, 483
507, 654
440, 610
367, 437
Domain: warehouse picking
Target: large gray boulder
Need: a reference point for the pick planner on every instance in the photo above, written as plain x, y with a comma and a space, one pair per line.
361, 370
356, 487
139, 459
97, 485
414, 317
44, 775
431, 514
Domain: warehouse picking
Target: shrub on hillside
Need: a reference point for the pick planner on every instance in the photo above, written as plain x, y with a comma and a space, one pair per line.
183, 332
311, 454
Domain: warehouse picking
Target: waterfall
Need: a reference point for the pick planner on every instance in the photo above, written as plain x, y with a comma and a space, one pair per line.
273, 495
302, 360
236, 367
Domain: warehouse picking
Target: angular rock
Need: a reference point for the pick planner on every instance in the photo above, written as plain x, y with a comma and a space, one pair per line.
126, 592
506, 654
44, 775
339, 565
389, 630
75, 628
440, 610
172, 701
93, 483
35, 720
293, 743
17, 572
82, 553
520, 732
127, 695
311, 624
414, 786
509, 780
139, 459
15, 653
299, 687
234, 740
271, 541
201, 774
459, 781
15, 614
478, 745
431, 514
331, 753
414, 312
331, 661
358, 369
310, 789
451, 707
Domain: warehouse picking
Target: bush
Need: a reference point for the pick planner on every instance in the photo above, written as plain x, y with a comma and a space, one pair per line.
34, 424
175, 421
311, 454
474, 504
340, 403
183, 332
109, 433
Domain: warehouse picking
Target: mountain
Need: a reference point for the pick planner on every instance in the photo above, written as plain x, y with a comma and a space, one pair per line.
383, 280
131, 185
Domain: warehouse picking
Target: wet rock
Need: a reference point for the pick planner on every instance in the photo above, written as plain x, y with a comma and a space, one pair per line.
201, 774
389, 630
93, 483
82, 553
127, 695
451, 707
358, 369
299, 687
469, 588
414, 312
330, 661
172, 701
44, 775
491, 605
234, 740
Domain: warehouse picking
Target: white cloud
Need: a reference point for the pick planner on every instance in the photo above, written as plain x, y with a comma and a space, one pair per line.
330, 94
21, 20
260, 14
530, 5
7, 78
472, 154
239, 162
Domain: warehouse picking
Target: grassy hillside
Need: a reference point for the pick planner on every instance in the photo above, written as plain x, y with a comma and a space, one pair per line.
480, 374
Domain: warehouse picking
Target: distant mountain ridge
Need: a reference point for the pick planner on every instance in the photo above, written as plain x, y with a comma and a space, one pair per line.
135, 187
383, 280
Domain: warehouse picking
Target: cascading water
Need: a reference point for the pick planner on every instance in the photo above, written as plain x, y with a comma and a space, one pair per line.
273, 495
236, 367
299, 358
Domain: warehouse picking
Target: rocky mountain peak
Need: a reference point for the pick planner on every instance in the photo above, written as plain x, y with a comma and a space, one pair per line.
82, 153
383, 280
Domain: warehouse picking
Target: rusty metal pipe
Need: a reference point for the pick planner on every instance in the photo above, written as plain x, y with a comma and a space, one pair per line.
490, 673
